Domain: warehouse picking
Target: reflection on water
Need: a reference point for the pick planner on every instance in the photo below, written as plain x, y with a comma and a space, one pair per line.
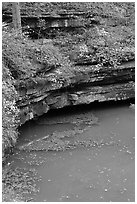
104, 172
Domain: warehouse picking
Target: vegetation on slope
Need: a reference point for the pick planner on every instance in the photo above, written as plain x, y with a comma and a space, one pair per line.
9, 111
106, 9
28, 60
109, 42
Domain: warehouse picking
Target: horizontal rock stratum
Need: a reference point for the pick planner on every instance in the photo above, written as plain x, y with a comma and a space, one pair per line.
88, 85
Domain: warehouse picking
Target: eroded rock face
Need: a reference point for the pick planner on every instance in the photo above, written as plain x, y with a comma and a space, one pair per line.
89, 84
86, 53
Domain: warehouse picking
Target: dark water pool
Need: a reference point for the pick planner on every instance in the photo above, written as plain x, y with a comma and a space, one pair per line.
100, 173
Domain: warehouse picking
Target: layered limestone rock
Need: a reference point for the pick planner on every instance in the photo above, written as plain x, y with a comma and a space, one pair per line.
88, 85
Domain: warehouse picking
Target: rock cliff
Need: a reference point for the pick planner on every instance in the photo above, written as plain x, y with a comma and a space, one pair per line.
86, 54
89, 84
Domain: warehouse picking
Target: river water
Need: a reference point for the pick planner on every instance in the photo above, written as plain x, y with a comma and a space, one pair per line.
101, 172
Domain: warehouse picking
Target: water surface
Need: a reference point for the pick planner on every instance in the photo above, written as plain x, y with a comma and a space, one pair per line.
98, 173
